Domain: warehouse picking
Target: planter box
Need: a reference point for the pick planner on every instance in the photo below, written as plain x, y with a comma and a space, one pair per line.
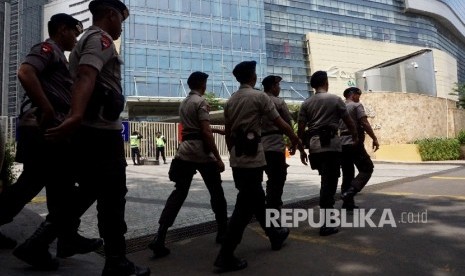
398, 152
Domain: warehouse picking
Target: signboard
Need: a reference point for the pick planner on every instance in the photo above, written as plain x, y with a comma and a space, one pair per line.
125, 130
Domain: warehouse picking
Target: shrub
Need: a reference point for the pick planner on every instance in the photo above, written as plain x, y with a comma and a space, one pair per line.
437, 149
461, 137
8, 174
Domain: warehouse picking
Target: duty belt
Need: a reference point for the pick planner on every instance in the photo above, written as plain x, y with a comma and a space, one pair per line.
271, 133
191, 136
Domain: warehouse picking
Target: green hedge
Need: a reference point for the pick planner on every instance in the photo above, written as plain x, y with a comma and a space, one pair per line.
461, 137
437, 149
7, 173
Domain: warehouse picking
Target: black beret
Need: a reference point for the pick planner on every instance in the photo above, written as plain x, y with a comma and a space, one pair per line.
196, 77
116, 4
244, 70
68, 20
270, 80
352, 90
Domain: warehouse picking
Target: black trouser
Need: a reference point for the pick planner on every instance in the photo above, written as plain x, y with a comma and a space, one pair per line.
135, 153
250, 201
276, 170
158, 151
46, 164
182, 172
358, 156
328, 165
105, 179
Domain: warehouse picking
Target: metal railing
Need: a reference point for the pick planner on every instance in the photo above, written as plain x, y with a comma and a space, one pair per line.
148, 131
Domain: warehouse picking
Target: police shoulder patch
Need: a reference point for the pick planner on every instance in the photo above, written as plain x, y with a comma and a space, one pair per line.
46, 48
106, 42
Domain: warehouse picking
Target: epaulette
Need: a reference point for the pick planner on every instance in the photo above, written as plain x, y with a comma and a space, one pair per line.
46, 48
105, 41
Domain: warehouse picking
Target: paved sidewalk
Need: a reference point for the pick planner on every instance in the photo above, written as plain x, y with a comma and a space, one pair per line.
149, 187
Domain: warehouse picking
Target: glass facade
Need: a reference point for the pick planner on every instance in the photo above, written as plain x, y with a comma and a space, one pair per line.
458, 6
25, 31
4, 22
287, 22
164, 41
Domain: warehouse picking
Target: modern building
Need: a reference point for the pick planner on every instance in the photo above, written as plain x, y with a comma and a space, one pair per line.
25, 31
4, 52
78, 9
165, 40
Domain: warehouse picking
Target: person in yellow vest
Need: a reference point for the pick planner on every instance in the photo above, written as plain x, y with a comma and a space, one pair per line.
160, 142
135, 147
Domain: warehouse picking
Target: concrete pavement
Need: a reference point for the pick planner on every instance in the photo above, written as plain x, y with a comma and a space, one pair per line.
149, 187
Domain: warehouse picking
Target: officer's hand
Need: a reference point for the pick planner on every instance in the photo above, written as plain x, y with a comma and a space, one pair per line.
47, 118
375, 145
64, 130
220, 165
304, 157
292, 150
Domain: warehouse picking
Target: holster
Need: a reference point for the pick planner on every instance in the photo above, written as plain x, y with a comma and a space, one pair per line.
246, 143
106, 102
180, 170
325, 133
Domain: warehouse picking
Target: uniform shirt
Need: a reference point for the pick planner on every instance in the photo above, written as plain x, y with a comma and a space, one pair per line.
244, 111
194, 109
275, 142
96, 49
53, 72
322, 109
356, 112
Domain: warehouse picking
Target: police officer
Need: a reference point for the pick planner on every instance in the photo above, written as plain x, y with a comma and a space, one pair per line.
321, 113
160, 142
95, 122
355, 154
243, 114
274, 146
135, 147
46, 79
197, 152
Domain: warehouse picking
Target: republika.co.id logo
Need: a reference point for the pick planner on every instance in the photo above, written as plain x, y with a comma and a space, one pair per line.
341, 218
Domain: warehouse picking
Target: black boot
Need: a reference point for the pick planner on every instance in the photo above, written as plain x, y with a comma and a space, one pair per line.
6, 242
277, 237
120, 266
221, 234
76, 244
34, 250
326, 231
349, 194
158, 243
158, 248
228, 262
